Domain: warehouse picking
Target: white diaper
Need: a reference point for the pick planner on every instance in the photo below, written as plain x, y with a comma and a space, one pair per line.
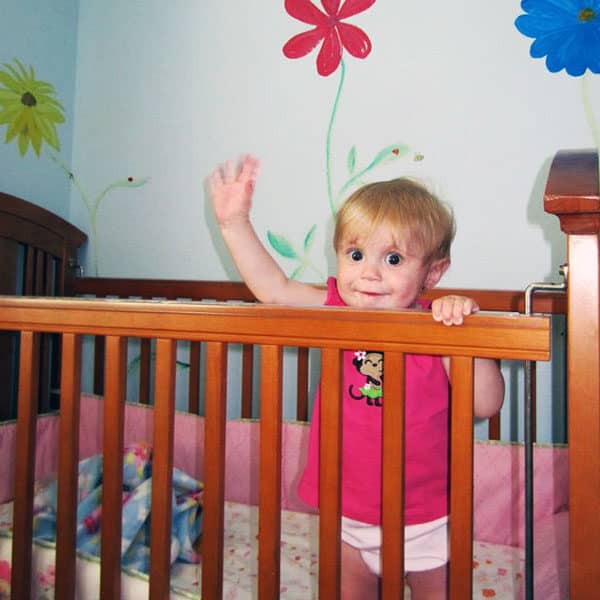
425, 544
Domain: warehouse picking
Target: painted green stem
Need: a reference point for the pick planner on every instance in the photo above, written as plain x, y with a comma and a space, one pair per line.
328, 141
351, 182
92, 209
589, 113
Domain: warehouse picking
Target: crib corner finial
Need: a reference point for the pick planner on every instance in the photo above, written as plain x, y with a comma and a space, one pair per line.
572, 191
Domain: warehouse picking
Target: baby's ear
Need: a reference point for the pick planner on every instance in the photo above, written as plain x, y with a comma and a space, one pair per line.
436, 269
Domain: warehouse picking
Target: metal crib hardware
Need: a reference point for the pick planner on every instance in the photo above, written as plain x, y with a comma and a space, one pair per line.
528, 422
76, 267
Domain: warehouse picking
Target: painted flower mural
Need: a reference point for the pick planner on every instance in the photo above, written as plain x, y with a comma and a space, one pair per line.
567, 33
28, 109
334, 35
330, 30
30, 112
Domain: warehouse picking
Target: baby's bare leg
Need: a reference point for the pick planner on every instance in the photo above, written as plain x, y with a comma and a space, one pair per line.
428, 585
358, 582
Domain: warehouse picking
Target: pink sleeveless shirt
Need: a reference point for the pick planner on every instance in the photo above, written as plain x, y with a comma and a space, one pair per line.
426, 448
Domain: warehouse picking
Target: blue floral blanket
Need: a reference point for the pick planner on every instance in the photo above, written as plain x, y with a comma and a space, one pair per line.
186, 523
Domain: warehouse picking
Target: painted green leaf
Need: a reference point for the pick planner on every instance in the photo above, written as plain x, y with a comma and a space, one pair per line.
135, 362
351, 160
310, 236
133, 182
281, 245
392, 152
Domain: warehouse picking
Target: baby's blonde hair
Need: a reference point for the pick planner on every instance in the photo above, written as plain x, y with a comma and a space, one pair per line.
416, 216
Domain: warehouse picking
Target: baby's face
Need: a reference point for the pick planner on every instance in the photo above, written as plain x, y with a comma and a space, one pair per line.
378, 272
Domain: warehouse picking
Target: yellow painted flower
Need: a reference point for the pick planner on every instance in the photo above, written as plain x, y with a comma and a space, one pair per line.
28, 109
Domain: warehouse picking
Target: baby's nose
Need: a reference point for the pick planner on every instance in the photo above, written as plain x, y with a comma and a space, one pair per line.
370, 270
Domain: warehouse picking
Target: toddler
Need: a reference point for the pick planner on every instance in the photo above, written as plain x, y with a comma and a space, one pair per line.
392, 241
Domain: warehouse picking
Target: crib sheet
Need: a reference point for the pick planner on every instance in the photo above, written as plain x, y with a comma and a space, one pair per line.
497, 569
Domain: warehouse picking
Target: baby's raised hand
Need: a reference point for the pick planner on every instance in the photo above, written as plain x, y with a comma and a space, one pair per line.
231, 186
450, 310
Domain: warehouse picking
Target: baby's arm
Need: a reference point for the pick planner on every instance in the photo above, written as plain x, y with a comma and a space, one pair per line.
489, 382
231, 188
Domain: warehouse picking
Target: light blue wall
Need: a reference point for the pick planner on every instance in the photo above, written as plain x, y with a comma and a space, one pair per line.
41, 34
165, 91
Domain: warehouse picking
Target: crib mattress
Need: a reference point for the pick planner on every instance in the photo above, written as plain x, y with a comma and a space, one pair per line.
497, 569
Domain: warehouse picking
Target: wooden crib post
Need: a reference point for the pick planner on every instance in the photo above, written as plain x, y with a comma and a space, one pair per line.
162, 469
269, 523
112, 493
572, 194
392, 520
461, 479
25, 466
214, 469
330, 476
68, 458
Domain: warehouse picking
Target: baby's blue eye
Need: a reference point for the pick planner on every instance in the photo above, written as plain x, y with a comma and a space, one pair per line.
393, 258
356, 255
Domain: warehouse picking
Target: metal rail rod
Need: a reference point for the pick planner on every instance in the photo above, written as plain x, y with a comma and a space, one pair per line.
528, 420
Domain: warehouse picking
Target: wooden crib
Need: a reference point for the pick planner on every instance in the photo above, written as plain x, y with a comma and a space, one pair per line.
571, 194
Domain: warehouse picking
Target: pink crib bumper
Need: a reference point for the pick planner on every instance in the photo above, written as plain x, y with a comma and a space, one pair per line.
498, 483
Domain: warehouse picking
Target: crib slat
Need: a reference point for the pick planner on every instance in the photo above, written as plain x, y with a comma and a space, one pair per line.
162, 469
302, 385
330, 478
99, 365
247, 377
25, 466
494, 427
45, 289
145, 358
461, 479
269, 531
39, 273
29, 271
194, 378
214, 469
112, 489
44, 393
68, 457
392, 553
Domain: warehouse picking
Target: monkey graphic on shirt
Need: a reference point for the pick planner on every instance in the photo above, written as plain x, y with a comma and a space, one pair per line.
369, 364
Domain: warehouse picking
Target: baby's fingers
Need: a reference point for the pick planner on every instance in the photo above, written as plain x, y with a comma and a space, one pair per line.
228, 169
451, 310
214, 180
250, 168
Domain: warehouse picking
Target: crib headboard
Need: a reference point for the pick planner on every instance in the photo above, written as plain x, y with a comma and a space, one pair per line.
39, 258
39, 249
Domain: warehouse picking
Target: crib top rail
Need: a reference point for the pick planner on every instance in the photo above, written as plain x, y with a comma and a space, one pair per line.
170, 289
222, 291
508, 336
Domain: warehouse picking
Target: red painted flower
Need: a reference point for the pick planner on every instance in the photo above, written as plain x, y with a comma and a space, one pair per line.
329, 29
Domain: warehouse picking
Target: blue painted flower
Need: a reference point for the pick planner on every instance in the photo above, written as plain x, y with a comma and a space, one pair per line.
566, 32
